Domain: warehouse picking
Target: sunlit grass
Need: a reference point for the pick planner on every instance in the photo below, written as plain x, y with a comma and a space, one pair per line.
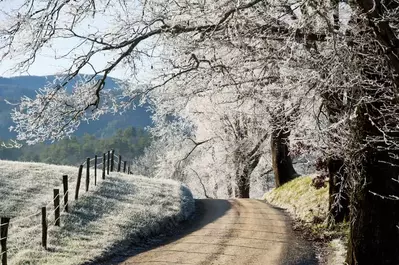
301, 199
309, 206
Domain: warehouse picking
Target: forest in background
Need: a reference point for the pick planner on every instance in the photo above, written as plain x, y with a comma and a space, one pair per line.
129, 142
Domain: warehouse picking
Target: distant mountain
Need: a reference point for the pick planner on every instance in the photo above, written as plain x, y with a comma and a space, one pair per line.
27, 85
13, 88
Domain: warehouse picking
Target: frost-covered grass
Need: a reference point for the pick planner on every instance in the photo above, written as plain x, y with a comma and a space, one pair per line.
122, 208
309, 206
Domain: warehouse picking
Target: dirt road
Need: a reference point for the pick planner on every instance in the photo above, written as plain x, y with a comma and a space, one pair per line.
229, 232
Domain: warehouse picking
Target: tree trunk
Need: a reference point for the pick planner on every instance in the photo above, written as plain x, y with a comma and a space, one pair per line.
243, 186
282, 164
374, 232
338, 206
374, 235
229, 187
244, 176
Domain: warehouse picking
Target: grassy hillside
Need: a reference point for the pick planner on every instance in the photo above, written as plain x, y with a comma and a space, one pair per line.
301, 199
309, 207
119, 208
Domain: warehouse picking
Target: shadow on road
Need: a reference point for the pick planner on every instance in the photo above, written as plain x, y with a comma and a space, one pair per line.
201, 218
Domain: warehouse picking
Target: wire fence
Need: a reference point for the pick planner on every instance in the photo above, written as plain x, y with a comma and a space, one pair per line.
54, 208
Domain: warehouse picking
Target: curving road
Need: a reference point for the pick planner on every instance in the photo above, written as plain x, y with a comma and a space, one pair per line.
228, 232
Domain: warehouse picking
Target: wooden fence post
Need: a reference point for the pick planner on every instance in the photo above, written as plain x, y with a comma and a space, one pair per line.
87, 173
44, 228
112, 160
4, 222
95, 170
57, 207
119, 163
124, 166
108, 161
65, 185
78, 182
104, 165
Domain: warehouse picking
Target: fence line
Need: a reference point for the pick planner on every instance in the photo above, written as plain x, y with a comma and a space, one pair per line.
107, 164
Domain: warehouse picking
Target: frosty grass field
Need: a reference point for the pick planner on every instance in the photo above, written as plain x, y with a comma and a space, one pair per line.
120, 207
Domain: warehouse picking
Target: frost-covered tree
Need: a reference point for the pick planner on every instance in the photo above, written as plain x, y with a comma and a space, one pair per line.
224, 140
358, 88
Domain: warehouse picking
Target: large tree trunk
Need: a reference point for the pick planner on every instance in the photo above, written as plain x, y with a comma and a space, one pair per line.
338, 191
374, 235
374, 232
282, 164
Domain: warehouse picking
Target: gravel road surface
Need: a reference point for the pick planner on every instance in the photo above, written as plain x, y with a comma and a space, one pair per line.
228, 232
